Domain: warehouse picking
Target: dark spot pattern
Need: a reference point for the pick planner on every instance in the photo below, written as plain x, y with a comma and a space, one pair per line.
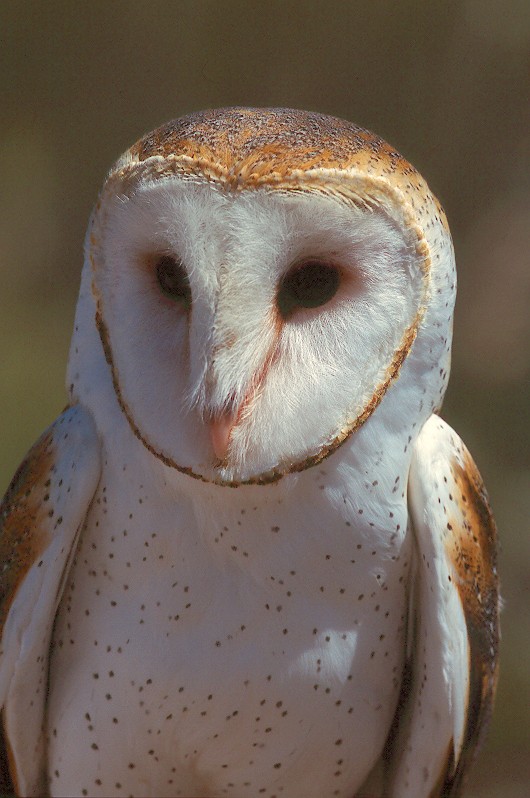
251, 652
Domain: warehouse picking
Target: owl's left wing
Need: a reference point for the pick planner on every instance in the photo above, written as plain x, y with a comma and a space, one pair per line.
40, 520
451, 675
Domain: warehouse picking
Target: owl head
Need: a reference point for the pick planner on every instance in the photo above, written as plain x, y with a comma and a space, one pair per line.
260, 285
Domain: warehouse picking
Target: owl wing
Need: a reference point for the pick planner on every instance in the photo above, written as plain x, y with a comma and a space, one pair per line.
451, 675
40, 519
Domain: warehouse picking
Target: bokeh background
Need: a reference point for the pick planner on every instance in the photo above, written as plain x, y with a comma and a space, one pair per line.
447, 83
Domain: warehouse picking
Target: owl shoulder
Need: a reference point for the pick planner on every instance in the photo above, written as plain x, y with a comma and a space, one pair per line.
47, 497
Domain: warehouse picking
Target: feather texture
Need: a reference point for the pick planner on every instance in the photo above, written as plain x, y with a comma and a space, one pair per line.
454, 654
234, 567
41, 518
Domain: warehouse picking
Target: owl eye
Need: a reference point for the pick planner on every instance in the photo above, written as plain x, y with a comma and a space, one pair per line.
172, 279
308, 285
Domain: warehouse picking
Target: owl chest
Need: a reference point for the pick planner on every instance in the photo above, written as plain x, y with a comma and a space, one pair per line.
222, 667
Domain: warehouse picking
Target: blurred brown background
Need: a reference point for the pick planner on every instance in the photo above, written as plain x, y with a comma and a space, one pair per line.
447, 83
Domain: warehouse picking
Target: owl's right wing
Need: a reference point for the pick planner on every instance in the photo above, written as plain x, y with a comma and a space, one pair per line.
41, 517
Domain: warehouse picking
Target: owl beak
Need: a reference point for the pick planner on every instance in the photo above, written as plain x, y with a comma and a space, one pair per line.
220, 431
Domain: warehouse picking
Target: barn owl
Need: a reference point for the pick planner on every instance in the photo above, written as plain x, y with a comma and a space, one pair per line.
249, 559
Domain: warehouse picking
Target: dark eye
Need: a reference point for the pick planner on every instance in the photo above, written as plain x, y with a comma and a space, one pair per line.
172, 279
308, 285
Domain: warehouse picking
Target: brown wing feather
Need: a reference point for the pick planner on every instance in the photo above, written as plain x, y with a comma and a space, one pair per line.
40, 518
7, 788
448, 692
472, 548
23, 537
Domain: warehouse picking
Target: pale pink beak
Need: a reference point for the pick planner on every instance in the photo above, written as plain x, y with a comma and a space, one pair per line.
220, 431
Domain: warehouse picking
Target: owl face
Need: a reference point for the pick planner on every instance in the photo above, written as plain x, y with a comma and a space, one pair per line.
251, 321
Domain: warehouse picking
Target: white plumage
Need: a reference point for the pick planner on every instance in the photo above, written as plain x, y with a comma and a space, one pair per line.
256, 606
